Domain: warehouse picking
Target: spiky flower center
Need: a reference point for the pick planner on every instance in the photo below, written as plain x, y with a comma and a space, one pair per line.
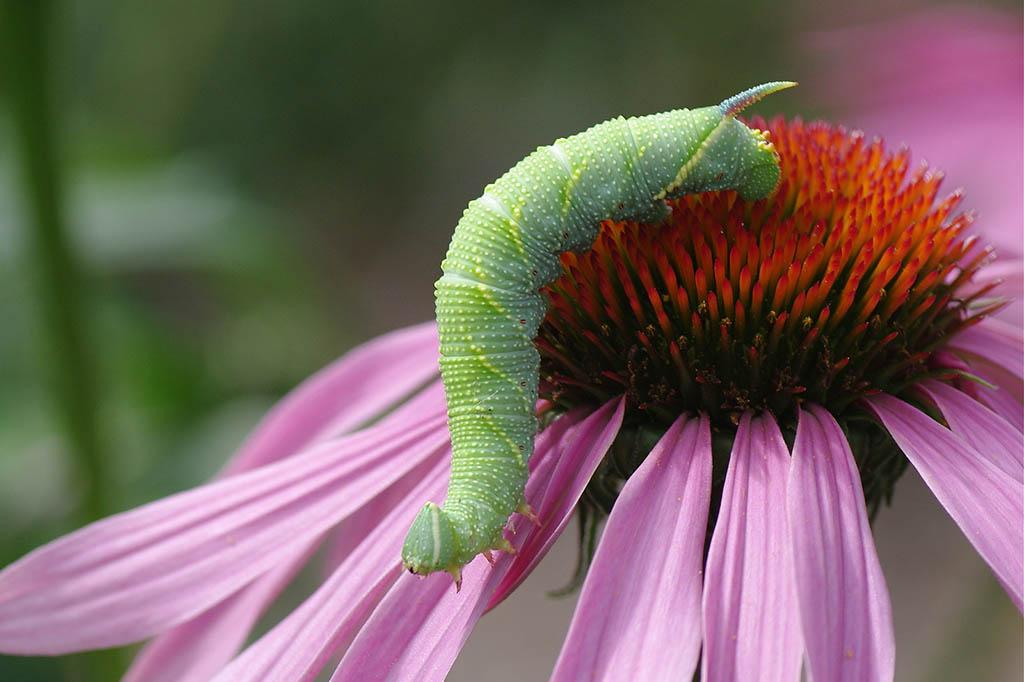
839, 285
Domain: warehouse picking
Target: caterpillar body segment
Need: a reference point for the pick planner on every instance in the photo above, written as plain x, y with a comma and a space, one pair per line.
506, 247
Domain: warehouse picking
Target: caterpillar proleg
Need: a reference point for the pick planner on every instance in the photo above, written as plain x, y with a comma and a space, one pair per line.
506, 247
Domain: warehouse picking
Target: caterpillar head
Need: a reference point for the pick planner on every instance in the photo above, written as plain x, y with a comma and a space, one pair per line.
761, 160
430, 544
732, 156
763, 170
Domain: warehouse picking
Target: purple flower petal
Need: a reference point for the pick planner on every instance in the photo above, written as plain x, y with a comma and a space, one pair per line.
132, 575
300, 645
751, 618
995, 342
638, 617
362, 383
1004, 279
420, 626
979, 427
560, 482
354, 529
1000, 399
195, 650
996, 398
356, 387
983, 500
845, 613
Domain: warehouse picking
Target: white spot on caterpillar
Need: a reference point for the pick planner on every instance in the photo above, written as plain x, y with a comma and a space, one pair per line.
557, 152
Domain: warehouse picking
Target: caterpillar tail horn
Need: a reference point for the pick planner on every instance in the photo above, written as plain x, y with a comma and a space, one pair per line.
738, 102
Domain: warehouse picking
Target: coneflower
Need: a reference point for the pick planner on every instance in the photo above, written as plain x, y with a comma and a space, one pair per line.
737, 389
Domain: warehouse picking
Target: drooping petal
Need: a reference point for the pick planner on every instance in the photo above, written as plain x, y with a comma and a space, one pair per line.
195, 650
1007, 273
354, 529
994, 341
298, 647
418, 629
983, 500
999, 376
845, 614
1004, 279
359, 385
751, 619
356, 387
1000, 398
638, 617
979, 427
134, 574
557, 489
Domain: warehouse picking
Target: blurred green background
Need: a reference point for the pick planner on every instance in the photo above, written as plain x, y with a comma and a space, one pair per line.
248, 189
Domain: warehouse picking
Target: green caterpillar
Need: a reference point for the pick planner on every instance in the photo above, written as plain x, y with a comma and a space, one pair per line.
506, 247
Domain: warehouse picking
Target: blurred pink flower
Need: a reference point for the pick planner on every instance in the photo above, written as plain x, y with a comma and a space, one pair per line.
949, 81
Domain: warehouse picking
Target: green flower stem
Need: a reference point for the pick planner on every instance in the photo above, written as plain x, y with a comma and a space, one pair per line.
58, 284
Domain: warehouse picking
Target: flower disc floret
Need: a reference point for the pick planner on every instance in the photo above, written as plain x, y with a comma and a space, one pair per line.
838, 286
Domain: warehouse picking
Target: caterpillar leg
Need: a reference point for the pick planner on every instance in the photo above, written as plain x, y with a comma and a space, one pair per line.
527, 511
